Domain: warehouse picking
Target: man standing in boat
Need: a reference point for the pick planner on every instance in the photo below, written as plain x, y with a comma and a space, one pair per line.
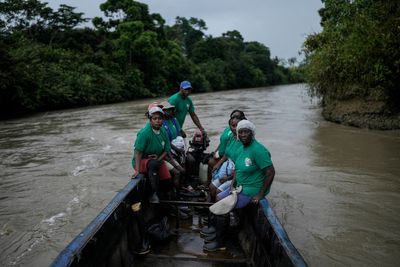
184, 104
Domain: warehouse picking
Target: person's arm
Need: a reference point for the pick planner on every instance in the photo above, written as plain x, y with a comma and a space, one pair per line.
196, 121
174, 163
138, 158
183, 134
269, 177
162, 156
219, 163
226, 178
233, 181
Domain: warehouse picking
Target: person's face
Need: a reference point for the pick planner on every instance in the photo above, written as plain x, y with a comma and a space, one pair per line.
245, 136
156, 121
169, 112
185, 93
236, 115
233, 126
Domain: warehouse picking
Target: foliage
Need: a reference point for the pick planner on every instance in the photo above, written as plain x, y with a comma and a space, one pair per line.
356, 54
48, 60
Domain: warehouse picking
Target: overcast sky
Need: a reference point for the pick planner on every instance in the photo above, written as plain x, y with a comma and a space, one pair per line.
282, 25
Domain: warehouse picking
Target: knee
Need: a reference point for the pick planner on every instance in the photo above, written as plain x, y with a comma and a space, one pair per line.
212, 187
212, 162
175, 172
153, 165
190, 158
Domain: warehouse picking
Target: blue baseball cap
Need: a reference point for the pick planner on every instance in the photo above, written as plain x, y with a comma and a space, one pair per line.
185, 85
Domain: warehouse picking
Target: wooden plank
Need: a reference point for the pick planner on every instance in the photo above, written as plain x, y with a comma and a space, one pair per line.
183, 202
199, 259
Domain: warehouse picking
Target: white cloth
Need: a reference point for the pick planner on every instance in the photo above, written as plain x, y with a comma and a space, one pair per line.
179, 142
226, 204
245, 124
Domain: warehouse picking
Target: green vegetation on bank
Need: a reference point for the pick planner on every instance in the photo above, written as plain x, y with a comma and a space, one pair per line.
48, 61
356, 58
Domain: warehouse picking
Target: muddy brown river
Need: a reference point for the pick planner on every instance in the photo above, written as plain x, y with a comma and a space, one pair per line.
336, 191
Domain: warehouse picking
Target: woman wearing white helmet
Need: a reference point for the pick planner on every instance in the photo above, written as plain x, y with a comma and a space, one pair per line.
254, 172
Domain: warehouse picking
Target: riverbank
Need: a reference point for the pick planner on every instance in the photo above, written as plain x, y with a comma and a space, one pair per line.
362, 114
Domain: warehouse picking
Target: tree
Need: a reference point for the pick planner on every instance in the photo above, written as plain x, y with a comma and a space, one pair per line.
356, 55
17, 15
187, 33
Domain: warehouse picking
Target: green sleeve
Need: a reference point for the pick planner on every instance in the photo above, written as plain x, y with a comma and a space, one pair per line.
223, 141
263, 157
141, 140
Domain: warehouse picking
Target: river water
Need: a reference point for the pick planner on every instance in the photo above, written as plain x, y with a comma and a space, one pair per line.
336, 191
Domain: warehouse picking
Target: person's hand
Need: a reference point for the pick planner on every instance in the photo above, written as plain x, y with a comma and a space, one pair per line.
223, 179
135, 174
257, 198
181, 169
183, 134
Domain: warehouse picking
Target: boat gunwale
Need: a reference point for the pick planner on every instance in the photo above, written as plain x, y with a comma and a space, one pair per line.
293, 254
74, 248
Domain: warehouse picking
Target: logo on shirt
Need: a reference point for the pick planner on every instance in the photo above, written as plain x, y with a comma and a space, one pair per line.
163, 143
187, 106
248, 162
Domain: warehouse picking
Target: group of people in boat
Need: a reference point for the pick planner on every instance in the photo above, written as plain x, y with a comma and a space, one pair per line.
239, 160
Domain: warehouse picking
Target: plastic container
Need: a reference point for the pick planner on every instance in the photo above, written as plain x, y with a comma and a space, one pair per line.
203, 173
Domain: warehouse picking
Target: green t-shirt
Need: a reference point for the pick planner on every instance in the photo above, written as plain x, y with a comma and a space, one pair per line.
223, 141
182, 107
151, 143
233, 147
228, 144
249, 165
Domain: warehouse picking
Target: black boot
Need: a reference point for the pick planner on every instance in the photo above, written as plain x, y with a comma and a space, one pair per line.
154, 178
142, 238
222, 223
210, 228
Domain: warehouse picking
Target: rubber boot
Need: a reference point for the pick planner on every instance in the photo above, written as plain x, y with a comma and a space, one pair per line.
144, 246
154, 178
210, 238
210, 228
222, 223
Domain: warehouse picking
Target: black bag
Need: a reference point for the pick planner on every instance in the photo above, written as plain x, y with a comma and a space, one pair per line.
160, 231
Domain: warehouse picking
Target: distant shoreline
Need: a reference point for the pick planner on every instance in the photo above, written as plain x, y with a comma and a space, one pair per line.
362, 114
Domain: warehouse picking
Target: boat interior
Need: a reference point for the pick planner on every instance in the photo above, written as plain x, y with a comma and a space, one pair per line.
131, 231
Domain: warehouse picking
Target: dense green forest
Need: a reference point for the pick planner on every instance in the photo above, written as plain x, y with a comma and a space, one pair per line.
48, 60
356, 58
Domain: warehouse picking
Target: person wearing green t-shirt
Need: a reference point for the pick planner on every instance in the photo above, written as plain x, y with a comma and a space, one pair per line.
220, 166
177, 156
184, 104
151, 147
223, 170
217, 156
254, 171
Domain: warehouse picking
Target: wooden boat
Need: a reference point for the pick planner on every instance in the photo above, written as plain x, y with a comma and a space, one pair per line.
110, 239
